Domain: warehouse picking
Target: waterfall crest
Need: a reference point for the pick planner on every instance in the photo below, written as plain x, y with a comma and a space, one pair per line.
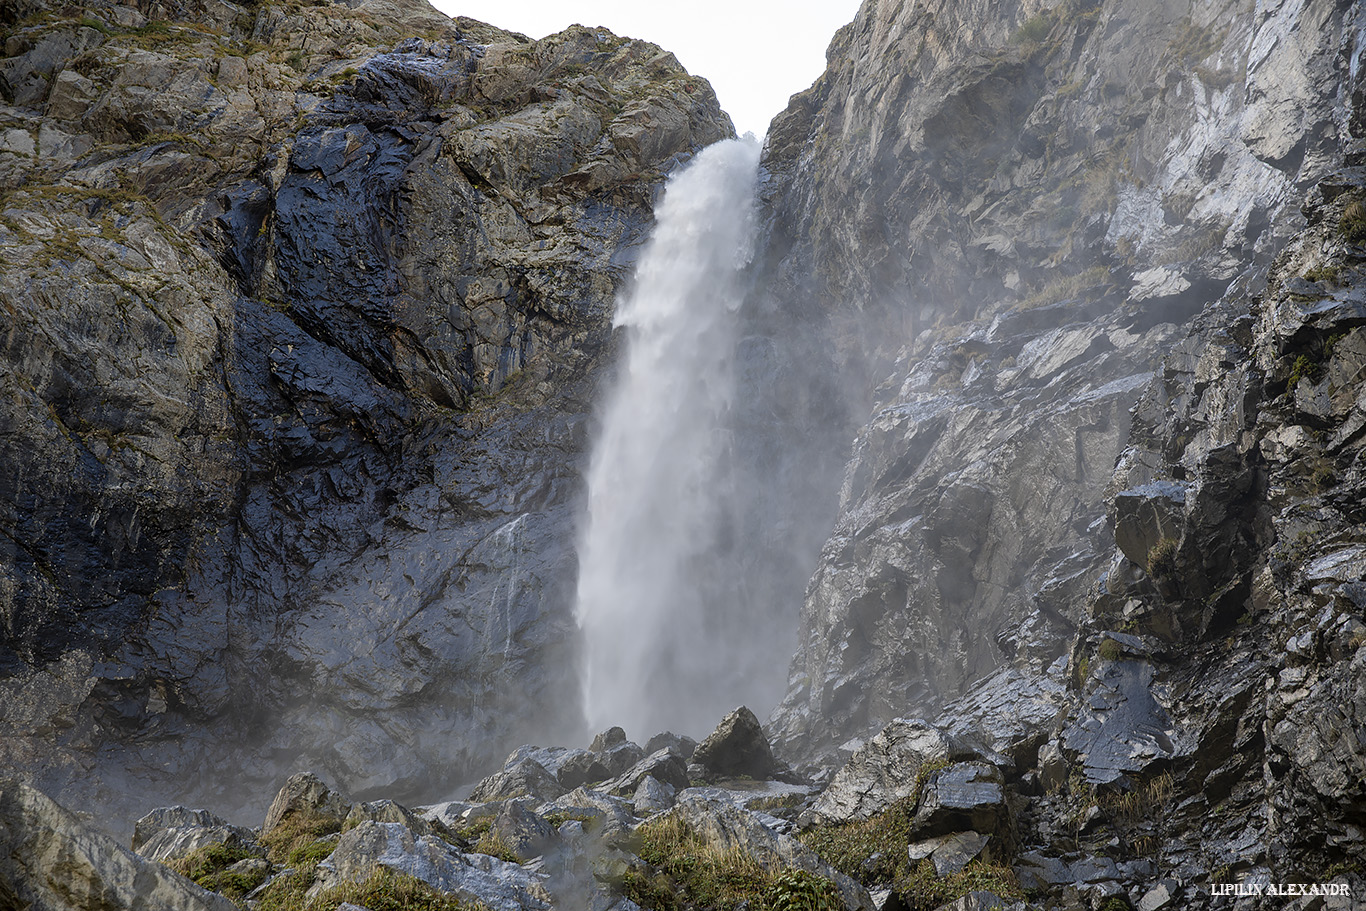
660, 644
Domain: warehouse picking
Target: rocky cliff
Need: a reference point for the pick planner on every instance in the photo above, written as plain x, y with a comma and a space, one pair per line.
1098, 266
304, 307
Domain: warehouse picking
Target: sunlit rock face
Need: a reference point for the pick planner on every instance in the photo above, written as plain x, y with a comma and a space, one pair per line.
1005, 215
304, 313
1099, 266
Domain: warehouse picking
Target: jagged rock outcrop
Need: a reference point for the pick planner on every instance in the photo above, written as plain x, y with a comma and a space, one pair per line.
1008, 214
305, 307
1107, 480
51, 861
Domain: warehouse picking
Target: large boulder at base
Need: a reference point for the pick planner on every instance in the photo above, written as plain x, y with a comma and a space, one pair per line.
737, 747
526, 778
51, 861
305, 794
581, 767
609, 738
684, 744
524, 833
602, 813
362, 851
884, 770
653, 796
724, 826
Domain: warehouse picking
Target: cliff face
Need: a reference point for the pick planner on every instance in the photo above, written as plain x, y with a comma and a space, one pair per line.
1098, 265
304, 306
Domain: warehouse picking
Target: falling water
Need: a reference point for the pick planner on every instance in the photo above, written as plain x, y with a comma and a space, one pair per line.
660, 647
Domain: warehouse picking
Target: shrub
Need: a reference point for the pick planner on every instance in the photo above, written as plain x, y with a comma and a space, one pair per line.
1305, 368
1352, 227
384, 891
208, 866
1109, 650
1162, 558
799, 890
295, 841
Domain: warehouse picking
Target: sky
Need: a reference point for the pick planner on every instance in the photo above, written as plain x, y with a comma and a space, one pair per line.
755, 53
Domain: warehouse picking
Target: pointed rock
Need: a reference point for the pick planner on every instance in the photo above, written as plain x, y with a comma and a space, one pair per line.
305, 794
737, 747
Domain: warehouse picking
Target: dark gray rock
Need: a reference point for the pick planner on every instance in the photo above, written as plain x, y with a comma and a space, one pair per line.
610, 816
949, 853
620, 757
653, 796
664, 765
965, 797
682, 743
982, 900
581, 767
613, 736
738, 746
524, 833
1122, 729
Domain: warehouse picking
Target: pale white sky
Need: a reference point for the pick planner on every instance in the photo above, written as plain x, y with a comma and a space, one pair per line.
755, 53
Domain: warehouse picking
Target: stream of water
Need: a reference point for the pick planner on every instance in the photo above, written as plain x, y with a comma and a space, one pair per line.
660, 646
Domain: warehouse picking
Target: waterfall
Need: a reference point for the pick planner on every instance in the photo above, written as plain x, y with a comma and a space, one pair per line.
662, 639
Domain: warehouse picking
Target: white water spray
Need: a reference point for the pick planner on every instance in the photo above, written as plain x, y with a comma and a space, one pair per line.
660, 652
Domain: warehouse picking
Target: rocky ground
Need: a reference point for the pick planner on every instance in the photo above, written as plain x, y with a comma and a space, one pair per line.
923, 816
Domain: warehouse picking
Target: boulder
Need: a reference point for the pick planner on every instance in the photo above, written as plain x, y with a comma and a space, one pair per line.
884, 770
620, 757
949, 853
305, 795
526, 778
609, 738
581, 767
500, 885
1121, 729
182, 833
653, 796
684, 744
737, 747
602, 813
663, 765
386, 811
966, 796
524, 833
981, 900
51, 861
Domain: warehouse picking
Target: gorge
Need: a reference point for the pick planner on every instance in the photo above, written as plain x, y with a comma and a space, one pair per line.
1008, 442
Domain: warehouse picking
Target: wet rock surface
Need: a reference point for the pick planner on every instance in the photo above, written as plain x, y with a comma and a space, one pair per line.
306, 309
